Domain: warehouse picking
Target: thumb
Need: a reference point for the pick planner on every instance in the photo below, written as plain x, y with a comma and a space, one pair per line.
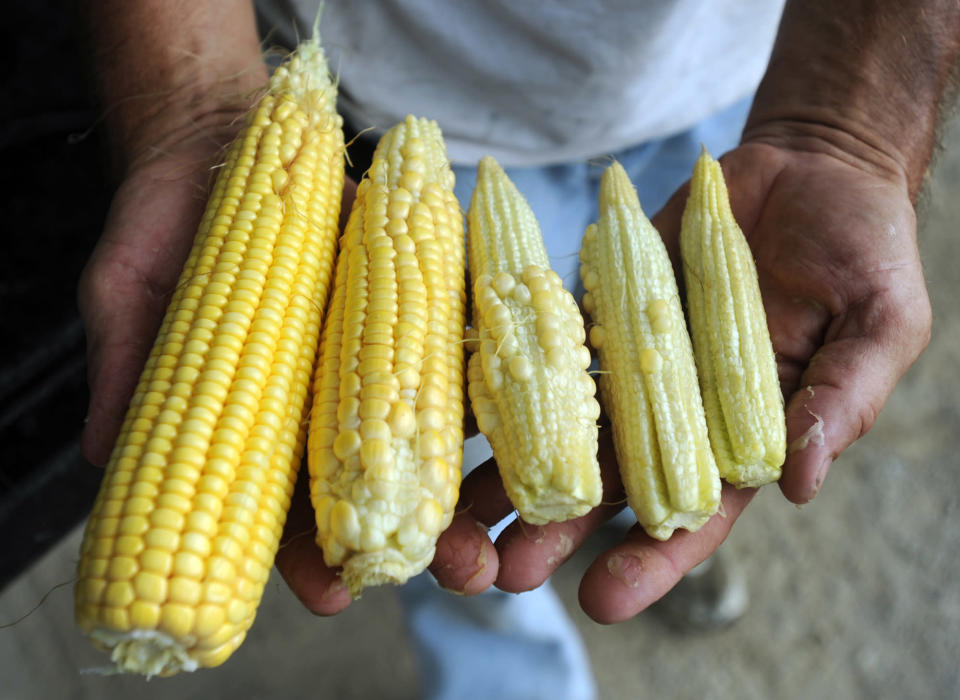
847, 383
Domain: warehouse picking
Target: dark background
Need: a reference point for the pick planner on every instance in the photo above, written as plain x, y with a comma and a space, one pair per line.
54, 193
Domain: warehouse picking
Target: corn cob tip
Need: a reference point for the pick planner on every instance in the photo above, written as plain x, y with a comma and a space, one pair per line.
616, 188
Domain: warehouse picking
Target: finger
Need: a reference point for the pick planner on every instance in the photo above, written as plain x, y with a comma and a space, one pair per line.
529, 554
483, 496
466, 560
121, 318
124, 290
626, 579
845, 386
300, 561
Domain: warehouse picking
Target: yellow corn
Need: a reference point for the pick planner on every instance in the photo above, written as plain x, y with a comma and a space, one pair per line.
184, 530
386, 429
735, 360
648, 381
527, 379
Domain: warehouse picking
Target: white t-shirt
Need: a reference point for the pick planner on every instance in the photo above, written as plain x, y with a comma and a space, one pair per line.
541, 82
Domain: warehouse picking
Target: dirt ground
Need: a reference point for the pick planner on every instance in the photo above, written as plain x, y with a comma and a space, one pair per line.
853, 596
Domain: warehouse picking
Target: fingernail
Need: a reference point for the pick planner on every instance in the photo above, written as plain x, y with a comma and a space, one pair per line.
820, 477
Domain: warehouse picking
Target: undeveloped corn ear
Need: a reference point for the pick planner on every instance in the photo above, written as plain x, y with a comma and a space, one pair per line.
735, 360
386, 430
648, 381
528, 381
187, 522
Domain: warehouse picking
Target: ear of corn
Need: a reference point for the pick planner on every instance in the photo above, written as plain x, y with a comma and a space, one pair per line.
184, 530
735, 360
386, 430
527, 379
648, 381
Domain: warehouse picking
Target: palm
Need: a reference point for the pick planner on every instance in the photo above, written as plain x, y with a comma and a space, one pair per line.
843, 289
847, 309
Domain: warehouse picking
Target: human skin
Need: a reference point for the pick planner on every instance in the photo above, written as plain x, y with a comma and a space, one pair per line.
823, 185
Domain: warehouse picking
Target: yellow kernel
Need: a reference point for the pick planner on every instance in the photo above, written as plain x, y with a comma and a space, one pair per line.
503, 283
429, 516
129, 546
183, 590
531, 272
348, 412
150, 587
520, 368
650, 361
156, 561
434, 474
376, 453
115, 618
210, 619
521, 294
119, 594
344, 524
556, 356
402, 419
583, 356
279, 179
162, 539
188, 565
374, 408
431, 444
375, 429
133, 525
658, 311
238, 611
433, 396
372, 539
144, 615
597, 336
590, 234
350, 384
346, 444
122, 568
176, 619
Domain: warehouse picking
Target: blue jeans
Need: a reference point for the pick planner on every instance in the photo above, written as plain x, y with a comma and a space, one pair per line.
506, 646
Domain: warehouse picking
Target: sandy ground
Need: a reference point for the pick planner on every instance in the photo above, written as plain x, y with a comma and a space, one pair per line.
853, 596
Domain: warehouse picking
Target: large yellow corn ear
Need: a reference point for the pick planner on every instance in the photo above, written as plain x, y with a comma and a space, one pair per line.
386, 430
735, 360
527, 379
184, 530
648, 382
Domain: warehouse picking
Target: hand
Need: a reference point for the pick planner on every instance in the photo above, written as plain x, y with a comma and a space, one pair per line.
834, 237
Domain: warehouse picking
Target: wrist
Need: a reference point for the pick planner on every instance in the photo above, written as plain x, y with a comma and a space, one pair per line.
172, 76
189, 123
828, 135
863, 80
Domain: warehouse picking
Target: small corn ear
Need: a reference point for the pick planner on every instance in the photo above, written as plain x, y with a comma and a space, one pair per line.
735, 359
648, 381
527, 379
386, 430
188, 519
